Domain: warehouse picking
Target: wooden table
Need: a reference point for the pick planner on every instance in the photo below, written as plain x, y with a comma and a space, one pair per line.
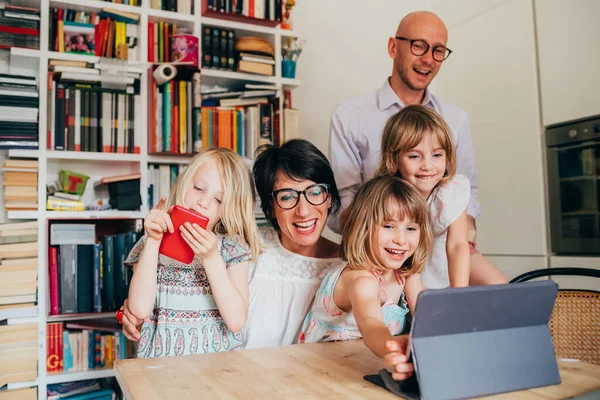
308, 371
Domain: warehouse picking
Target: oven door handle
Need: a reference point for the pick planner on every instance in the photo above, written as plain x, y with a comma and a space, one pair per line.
577, 146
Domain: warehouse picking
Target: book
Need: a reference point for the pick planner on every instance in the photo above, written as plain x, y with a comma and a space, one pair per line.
18, 250
255, 68
117, 178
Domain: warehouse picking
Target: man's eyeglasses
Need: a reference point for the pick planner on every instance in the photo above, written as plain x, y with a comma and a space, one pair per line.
419, 47
316, 195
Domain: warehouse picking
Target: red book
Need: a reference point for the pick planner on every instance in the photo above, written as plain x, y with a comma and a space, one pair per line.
174, 117
151, 41
51, 351
60, 346
53, 269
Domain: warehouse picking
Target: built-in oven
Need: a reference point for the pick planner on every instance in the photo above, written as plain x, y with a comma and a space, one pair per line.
573, 158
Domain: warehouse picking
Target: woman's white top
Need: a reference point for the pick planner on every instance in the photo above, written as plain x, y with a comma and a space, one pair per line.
282, 289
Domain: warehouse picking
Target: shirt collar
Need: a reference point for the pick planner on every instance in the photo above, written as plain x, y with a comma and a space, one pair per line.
387, 97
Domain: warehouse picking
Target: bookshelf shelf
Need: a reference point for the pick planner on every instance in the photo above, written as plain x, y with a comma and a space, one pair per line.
222, 75
290, 83
22, 215
23, 312
108, 214
80, 317
93, 5
228, 24
92, 156
21, 385
169, 16
80, 376
166, 159
22, 52
55, 55
288, 33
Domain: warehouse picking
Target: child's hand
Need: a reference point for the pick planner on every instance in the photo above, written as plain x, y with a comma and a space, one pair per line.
396, 360
131, 323
204, 243
158, 222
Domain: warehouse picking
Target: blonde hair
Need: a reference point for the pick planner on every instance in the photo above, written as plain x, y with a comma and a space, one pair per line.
405, 130
379, 200
238, 204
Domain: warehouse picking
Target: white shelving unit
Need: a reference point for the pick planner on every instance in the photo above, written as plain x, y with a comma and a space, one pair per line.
35, 62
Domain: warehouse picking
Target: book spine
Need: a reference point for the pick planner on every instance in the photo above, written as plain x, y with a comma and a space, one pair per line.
53, 281
97, 298
108, 281
68, 265
119, 270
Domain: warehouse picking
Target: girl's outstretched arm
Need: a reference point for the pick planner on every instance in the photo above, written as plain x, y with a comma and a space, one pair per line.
363, 293
457, 251
229, 285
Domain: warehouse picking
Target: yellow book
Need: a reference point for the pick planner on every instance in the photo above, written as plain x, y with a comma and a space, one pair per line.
235, 130
64, 205
61, 37
182, 117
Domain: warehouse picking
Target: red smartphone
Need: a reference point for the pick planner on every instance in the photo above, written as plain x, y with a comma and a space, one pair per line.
173, 245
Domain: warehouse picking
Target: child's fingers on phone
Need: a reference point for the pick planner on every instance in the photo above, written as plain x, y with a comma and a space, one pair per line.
169, 222
192, 242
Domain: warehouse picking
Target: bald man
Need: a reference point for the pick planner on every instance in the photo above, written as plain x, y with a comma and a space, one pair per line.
418, 50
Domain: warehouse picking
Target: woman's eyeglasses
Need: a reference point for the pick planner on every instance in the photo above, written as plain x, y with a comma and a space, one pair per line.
316, 195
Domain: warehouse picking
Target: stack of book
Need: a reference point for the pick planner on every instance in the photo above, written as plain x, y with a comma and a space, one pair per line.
91, 107
82, 390
123, 191
85, 346
218, 48
29, 393
261, 64
18, 264
174, 123
161, 179
18, 112
19, 354
86, 271
242, 129
19, 27
108, 33
20, 185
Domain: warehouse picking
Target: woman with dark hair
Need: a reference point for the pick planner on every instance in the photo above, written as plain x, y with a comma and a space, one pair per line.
297, 193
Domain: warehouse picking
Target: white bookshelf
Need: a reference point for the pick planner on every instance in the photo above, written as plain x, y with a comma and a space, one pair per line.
76, 376
97, 165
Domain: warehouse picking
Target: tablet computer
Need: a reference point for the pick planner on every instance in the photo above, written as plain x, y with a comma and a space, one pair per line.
478, 341
173, 245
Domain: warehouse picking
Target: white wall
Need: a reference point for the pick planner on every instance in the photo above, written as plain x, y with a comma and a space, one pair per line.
345, 55
492, 75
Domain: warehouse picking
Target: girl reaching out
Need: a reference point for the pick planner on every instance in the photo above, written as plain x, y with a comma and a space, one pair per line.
384, 243
417, 146
201, 307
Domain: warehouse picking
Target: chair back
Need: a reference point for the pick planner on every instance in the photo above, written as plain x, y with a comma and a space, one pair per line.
575, 321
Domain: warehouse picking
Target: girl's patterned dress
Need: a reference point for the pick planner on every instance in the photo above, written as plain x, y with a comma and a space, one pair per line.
326, 322
185, 318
